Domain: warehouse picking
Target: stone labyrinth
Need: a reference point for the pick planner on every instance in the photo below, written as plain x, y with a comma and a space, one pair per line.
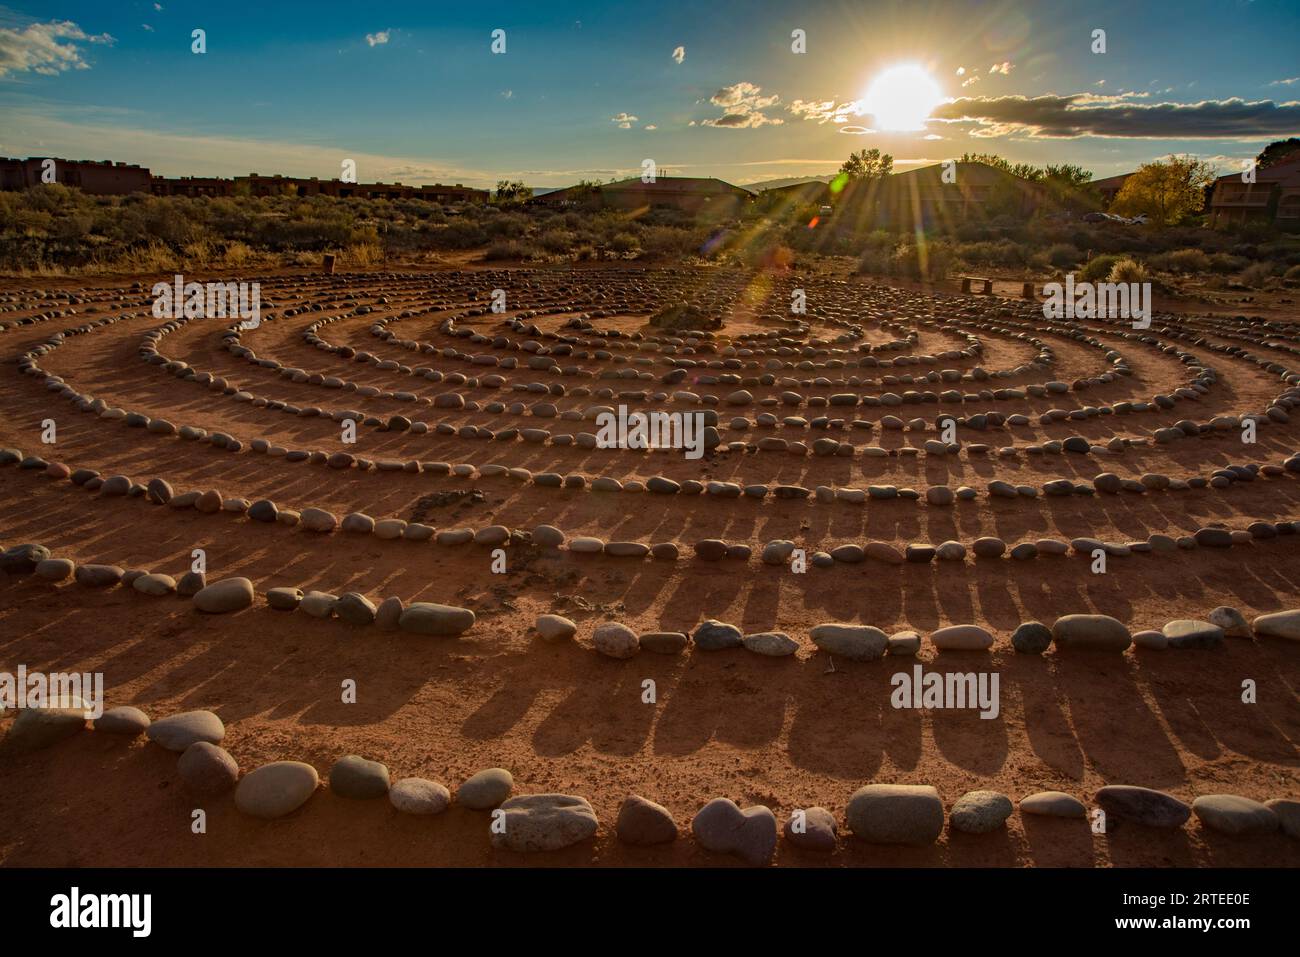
389, 482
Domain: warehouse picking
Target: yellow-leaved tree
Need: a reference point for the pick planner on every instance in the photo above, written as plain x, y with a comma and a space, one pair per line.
1166, 191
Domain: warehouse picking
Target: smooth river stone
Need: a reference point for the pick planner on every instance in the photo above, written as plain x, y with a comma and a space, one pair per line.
615, 639
962, 638
227, 595
896, 814
486, 789
1279, 624
207, 768
358, 778
176, 732
854, 642
642, 822
1053, 804
980, 812
419, 796
123, 719
544, 822
1232, 814
1143, 806
276, 789
1090, 633
427, 618
750, 834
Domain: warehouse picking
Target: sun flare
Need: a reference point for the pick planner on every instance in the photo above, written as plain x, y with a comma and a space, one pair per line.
902, 98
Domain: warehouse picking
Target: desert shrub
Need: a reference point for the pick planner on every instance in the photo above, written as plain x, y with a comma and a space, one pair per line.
1127, 271
460, 234
1256, 275
1098, 268
929, 261
512, 249
625, 243
1064, 255
1182, 260
556, 241
1225, 263
508, 226
364, 254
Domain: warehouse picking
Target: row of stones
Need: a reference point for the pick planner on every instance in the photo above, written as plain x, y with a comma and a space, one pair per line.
235, 594
542, 435
890, 814
617, 640
981, 421
777, 552
853, 642
823, 446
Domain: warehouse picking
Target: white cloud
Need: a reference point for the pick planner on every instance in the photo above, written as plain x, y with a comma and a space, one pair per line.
961, 71
624, 120
651, 126
507, 94
1287, 82
971, 80
147, 27
825, 111
158, 7
375, 39
1005, 68
743, 105
45, 48
679, 54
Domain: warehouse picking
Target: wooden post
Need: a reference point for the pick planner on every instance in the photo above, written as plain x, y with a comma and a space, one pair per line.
327, 264
1027, 292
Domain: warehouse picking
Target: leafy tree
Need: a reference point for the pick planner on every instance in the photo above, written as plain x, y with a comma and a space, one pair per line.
1166, 191
1070, 185
512, 192
867, 165
1023, 170
1279, 151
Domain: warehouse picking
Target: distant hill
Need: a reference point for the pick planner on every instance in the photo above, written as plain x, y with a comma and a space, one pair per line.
787, 181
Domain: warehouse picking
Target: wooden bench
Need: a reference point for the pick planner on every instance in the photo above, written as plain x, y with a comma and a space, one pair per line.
967, 280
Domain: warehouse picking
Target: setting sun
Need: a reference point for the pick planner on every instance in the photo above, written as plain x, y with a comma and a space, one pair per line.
902, 97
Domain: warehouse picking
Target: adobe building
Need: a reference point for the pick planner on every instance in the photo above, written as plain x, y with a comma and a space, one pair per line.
96, 177
192, 186
1109, 188
811, 193
106, 178
690, 194
1273, 198
254, 184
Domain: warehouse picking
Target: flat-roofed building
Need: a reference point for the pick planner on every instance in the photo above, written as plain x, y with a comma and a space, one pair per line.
1273, 197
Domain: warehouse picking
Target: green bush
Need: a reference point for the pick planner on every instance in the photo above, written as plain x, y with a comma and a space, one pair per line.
1064, 255
1098, 268
1127, 271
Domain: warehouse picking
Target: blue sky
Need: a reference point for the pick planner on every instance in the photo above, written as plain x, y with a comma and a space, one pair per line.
412, 91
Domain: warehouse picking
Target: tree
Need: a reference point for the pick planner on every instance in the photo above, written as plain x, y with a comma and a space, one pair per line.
867, 165
1280, 151
513, 192
1023, 170
1166, 191
1070, 185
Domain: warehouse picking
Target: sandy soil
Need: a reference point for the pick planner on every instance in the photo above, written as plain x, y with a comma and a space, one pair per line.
787, 733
